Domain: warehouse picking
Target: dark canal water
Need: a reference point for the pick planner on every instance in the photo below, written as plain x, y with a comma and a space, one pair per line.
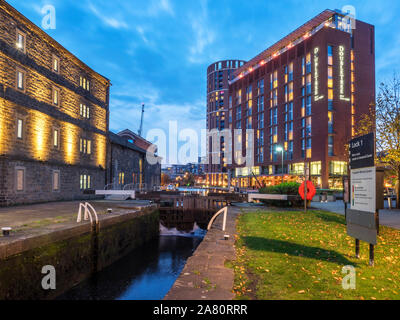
147, 273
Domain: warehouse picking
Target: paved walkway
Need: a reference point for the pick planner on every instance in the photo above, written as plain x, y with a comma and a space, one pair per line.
389, 218
205, 276
27, 217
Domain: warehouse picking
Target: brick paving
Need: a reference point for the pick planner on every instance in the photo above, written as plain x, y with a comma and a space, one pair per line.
205, 276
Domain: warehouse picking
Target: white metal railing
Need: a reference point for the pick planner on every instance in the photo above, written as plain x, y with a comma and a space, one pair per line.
89, 213
129, 187
112, 186
225, 212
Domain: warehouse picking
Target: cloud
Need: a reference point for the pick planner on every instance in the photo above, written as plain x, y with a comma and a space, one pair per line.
203, 34
161, 6
116, 23
142, 34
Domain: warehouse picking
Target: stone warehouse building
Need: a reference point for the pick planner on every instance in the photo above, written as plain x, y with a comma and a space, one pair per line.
54, 118
127, 164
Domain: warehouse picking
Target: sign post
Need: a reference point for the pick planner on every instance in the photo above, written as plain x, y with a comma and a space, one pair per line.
307, 174
361, 216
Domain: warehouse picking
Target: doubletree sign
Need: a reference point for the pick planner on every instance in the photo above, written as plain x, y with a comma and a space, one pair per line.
362, 152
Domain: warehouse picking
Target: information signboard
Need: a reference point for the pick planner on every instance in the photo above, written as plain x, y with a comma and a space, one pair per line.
362, 152
362, 216
363, 189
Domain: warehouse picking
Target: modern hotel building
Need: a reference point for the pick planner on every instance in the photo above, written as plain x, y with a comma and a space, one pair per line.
218, 76
303, 97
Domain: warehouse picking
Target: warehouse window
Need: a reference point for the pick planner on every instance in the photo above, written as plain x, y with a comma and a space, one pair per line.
85, 146
121, 178
20, 178
21, 79
56, 64
21, 41
84, 111
85, 181
56, 138
56, 96
56, 180
20, 129
84, 83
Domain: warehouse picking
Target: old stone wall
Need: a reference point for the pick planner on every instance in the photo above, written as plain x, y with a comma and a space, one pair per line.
75, 255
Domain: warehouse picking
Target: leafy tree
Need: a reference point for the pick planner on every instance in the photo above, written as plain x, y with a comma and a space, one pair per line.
385, 120
189, 179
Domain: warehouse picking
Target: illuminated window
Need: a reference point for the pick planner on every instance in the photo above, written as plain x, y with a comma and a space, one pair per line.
315, 168
21, 41
330, 55
56, 64
84, 83
274, 80
297, 169
308, 63
56, 96
21, 79
20, 128
85, 146
56, 138
330, 94
56, 180
85, 182
338, 168
84, 111
330, 72
121, 178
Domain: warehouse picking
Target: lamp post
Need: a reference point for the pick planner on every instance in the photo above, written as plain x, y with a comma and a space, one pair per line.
280, 149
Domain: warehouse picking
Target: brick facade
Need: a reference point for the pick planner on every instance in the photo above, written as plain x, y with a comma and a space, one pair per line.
303, 95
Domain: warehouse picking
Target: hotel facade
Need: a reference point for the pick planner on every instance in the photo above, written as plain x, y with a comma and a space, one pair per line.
302, 98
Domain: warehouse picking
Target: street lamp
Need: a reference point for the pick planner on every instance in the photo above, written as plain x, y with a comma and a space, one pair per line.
280, 149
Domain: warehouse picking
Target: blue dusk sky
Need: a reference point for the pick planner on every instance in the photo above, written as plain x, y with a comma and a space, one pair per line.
157, 51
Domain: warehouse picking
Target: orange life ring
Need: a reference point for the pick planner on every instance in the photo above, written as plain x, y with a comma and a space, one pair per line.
311, 191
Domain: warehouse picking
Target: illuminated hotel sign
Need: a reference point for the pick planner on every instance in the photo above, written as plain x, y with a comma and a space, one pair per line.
341, 73
316, 75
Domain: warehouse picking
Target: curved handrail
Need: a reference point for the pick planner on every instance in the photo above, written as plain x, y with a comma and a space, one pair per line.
129, 186
87, 214
88, 207
225, 212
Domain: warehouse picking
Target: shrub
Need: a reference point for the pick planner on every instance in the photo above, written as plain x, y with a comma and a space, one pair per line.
288, 188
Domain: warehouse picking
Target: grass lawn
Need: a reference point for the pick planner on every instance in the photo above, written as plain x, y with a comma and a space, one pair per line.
293, 255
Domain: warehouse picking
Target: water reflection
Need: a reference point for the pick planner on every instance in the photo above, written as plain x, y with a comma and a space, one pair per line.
147, 273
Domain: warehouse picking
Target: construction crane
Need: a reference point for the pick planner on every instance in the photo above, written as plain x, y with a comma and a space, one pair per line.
141, 122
